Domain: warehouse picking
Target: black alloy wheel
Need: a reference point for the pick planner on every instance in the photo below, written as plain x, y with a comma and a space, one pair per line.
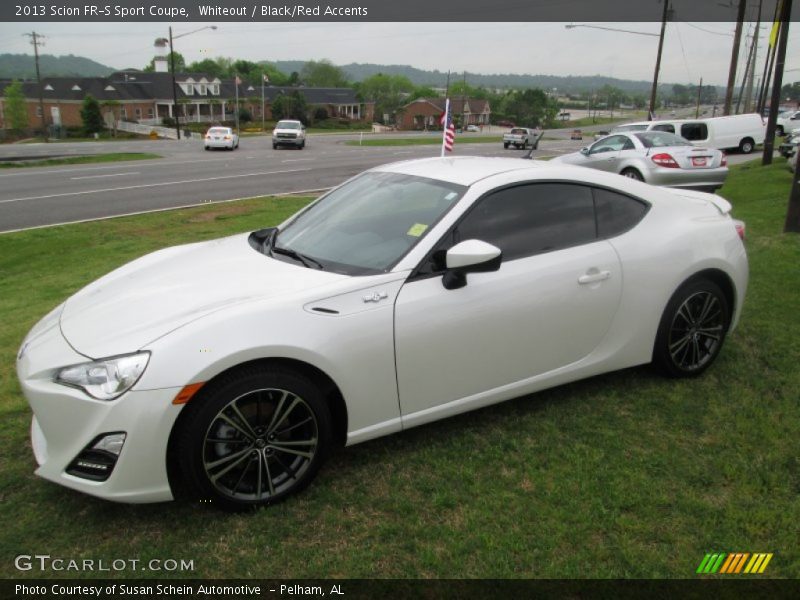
692, 329
254, 439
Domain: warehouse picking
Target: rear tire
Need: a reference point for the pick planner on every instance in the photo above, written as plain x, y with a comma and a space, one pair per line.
253, 437
746, 146
692, 329
631, 173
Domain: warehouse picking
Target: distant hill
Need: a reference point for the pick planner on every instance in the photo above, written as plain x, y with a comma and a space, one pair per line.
21, 66
566, 84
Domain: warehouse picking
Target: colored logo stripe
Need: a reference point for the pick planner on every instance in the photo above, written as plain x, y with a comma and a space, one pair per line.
734, 563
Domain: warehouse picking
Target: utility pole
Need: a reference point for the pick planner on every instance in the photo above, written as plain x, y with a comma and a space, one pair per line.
746, 77
737, 37
36, 41
699, 90
780, 59
174, 85
463, 101
762, 92
751, 71
792, 223
652, 111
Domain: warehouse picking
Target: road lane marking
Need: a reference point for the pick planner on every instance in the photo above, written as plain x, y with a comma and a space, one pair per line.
108, 175
157, 210
149, 185
295, 159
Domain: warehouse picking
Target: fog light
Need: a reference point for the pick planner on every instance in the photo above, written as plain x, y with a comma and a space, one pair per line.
97, 460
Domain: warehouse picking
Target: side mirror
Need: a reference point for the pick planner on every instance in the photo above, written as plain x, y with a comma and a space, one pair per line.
469, 256
585, 151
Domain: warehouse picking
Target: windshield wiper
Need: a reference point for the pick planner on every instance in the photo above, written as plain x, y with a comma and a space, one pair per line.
306, 260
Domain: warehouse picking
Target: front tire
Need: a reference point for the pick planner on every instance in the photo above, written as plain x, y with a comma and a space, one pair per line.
505, 145
692, 329
254, 437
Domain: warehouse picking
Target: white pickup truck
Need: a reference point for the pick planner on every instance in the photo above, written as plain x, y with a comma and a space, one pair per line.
519, 137
787, 122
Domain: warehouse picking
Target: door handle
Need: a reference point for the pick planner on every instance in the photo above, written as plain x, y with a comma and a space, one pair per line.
594, 277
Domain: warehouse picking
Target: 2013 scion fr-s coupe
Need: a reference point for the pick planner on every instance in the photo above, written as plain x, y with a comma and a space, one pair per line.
412, 292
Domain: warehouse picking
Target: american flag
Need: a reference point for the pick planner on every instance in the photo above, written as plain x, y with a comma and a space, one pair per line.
449, 129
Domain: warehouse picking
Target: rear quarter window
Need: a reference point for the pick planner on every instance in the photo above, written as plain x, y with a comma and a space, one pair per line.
616, 213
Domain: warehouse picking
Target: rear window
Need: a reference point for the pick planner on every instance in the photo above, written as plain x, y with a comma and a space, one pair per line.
666, 127
660, 139
519, 131
219, 131
694, 131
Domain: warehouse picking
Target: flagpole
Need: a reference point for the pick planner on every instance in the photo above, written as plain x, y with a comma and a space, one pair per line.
446, 121
236, 85
446, 110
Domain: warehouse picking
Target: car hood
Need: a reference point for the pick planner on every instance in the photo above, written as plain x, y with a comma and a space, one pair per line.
160, 292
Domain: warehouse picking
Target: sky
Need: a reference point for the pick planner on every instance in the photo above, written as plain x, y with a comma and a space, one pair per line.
691, 50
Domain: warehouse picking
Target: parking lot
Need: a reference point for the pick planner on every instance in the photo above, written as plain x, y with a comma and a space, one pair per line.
186, 175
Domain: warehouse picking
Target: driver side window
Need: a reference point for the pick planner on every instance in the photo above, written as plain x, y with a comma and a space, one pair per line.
609, 144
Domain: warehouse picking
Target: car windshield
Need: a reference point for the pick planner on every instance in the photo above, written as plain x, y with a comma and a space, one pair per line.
287, 125
660, 139
369, 223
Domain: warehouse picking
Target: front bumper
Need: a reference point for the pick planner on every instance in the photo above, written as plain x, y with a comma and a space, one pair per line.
66, 420
279, 141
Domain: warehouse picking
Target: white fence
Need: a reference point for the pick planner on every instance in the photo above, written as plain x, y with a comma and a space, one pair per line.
163, 132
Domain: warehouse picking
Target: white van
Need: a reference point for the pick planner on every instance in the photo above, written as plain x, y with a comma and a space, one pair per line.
724, 133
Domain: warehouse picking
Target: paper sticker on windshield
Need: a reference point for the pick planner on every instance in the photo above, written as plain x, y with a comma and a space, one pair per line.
417, 229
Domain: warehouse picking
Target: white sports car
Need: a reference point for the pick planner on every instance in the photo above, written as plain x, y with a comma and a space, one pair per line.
412, 292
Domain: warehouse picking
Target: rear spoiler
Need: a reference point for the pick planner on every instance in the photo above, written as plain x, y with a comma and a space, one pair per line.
722, 205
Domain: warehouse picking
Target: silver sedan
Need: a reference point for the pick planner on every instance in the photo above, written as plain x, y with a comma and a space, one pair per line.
655, 157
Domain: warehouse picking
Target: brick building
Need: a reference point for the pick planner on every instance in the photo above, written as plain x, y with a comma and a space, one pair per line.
424, 113
147, 98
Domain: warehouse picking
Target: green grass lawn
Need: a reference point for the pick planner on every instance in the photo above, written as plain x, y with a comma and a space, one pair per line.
79, 160
626, 475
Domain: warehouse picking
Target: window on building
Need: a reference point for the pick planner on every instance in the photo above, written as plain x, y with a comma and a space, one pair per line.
150, 113
138, 113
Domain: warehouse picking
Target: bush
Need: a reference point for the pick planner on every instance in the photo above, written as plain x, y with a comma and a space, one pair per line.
244, 115
321, 114
168, 122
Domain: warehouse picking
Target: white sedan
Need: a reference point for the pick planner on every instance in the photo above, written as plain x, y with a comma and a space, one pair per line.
412, 292
221, 137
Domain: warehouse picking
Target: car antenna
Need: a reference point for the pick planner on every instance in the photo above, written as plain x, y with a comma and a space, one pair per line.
534, 146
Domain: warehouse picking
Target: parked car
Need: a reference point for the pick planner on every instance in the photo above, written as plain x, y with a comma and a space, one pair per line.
787, 121
289, 133
790, 144
791, 162
410, 293
576, 134
506, 124
519, 137
734, 132
599, 135
656, 157
221, 137
473, 128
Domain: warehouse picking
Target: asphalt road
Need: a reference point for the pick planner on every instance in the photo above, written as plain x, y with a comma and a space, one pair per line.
187, 175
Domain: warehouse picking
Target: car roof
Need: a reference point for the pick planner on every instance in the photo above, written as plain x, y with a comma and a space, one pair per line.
461, 170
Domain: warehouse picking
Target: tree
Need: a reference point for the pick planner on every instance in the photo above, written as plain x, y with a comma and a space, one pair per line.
423, 91
180, 63
15, 109
290, 106
323, 73
527, 107
389, 92
91, 116
208, 66
791, 91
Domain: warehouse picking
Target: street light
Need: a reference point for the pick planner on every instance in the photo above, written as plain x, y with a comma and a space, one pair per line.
172, 68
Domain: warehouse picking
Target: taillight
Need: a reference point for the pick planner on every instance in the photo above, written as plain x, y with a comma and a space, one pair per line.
227, 137
739, 228
208, 137
665, 160
724, 161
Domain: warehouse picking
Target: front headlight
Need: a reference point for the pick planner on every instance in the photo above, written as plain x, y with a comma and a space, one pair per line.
107, 378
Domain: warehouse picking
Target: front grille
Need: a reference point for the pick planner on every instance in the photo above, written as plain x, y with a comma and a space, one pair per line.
292, 136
